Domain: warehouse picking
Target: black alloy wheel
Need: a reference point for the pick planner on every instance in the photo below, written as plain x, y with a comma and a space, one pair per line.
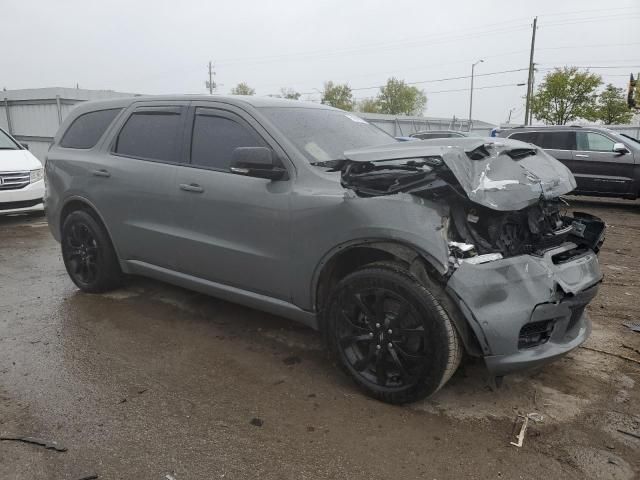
390, 334
88, 254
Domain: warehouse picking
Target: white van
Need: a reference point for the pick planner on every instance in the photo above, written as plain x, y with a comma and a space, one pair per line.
21, 178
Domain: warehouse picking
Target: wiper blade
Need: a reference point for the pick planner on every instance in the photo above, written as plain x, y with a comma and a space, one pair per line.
335, 164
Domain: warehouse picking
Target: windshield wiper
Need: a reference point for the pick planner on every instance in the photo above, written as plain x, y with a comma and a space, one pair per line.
8, 148
335, 164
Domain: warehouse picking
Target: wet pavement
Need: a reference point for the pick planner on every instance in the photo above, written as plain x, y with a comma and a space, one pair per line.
156, 382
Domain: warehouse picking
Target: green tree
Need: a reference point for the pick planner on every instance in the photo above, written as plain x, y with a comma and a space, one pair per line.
612, 106
398, 98
368, 105
338, 96
289, 93
565, 95
242, 89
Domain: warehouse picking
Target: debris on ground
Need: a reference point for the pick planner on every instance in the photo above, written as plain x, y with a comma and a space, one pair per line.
523, 420
89, 477
631, 434
635, 327
629, 359
637, 350
36, 441
256, 422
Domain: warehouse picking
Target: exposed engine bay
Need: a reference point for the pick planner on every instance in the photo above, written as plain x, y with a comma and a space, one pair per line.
532, 230
504, 199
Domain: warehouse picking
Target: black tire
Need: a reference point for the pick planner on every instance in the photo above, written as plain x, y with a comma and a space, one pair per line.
88, 254
400, 366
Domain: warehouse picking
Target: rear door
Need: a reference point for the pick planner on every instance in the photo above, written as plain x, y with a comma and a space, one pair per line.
602, 170
134, 183
235, 229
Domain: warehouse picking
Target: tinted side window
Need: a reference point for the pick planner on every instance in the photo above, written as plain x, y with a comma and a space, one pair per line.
151, 134
86, 130
594, 142
216, 137
529, 137
557, 140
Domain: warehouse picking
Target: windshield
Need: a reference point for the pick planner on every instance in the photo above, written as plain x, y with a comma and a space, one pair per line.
323, 134
629, 137
6, 143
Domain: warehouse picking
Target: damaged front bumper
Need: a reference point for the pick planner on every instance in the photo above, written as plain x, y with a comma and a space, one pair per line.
527, 310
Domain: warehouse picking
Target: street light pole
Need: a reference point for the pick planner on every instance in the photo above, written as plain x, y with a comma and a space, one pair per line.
471, 94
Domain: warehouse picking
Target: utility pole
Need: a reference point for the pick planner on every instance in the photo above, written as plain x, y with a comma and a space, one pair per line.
473, 66
211, 85
527, 109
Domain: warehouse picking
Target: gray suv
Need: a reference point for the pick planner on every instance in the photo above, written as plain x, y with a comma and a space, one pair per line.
403, 254
604, 163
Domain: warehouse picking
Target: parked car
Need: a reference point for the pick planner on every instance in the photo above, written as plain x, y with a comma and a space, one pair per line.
404, 254
21, 178
431, 134
604, 162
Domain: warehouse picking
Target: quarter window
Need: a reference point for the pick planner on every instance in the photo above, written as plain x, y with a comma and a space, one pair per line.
216, 137
86, 130
151, 134
594, 142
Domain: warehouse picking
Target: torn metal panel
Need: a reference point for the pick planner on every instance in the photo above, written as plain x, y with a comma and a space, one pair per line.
501, 297
507, 175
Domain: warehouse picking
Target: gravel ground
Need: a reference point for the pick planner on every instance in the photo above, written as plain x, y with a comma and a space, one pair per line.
156, 382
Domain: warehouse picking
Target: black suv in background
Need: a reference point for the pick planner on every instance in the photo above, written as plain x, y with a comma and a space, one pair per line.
604, 162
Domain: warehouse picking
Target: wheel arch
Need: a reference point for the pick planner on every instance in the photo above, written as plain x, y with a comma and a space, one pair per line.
75, 203
352, 256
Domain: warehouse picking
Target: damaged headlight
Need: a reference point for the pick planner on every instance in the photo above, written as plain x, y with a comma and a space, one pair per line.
461, 252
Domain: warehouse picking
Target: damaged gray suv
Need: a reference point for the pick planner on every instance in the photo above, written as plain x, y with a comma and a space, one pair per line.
404, 255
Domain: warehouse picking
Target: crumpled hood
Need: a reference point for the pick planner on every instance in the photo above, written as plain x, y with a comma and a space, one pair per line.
500, 174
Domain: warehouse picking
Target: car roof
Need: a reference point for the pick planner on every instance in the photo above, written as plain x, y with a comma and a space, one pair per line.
251, 100
440, 131
550, 127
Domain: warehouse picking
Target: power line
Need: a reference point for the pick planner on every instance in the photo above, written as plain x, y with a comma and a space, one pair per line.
375, 48
434, 80
464, 89
593, 19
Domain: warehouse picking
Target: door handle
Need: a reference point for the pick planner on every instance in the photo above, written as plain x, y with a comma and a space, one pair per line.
101, 173
581, 155
191, 187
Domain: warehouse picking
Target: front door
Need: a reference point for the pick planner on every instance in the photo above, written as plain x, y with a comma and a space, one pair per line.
602, 170
235, 229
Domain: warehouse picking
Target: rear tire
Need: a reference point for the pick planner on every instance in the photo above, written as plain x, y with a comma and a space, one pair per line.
88, 254
390, 334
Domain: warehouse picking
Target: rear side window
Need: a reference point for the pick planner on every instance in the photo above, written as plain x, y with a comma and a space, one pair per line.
215, 137
557, 140
529, 137
86, 130
152, 134
594, 142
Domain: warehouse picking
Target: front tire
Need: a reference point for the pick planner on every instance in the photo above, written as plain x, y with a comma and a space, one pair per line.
88, 254
391, 335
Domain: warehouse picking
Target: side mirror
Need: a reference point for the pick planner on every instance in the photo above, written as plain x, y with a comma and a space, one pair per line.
25, 146
620, 148
256, 162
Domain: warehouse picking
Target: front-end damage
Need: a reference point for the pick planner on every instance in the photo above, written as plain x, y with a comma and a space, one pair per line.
521, 268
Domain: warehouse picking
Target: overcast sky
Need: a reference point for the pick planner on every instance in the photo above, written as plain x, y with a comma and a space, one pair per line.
159, 46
